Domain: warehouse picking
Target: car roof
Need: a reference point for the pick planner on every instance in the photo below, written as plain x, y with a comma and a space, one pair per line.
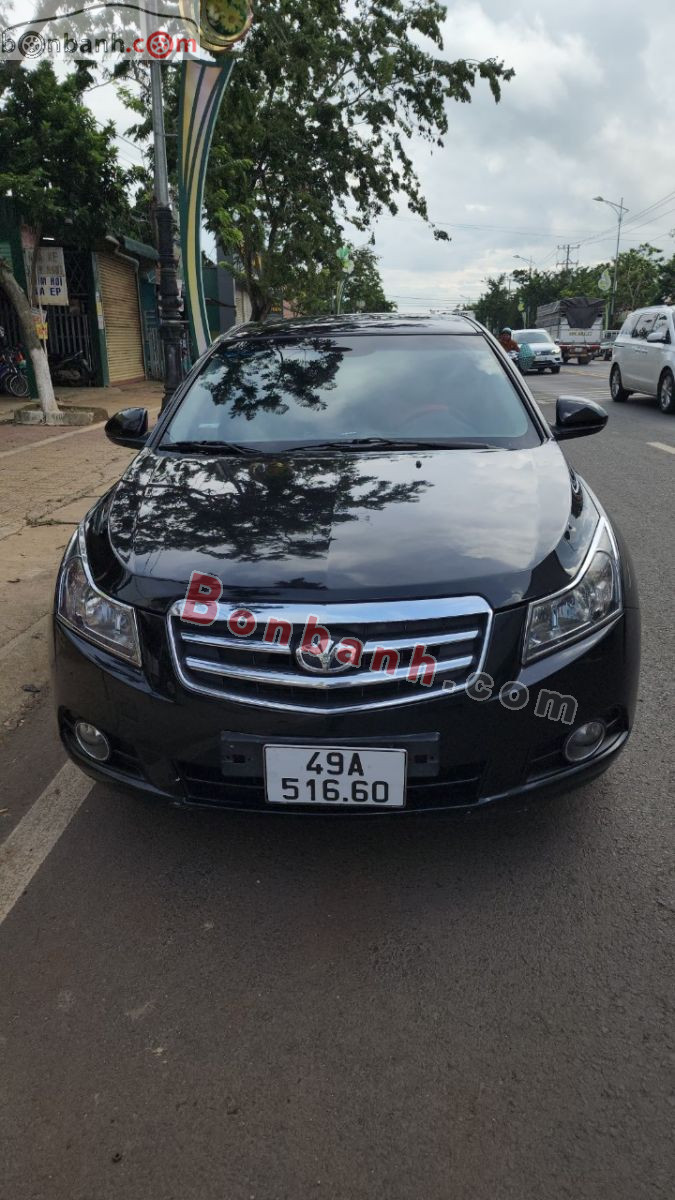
357, 324
534, 329
667, 308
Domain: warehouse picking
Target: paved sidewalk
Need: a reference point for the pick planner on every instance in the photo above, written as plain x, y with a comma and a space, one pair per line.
49, 478
109, 400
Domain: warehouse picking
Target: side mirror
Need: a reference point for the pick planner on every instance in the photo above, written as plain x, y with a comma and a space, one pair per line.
128, 428
576, 417
658, 337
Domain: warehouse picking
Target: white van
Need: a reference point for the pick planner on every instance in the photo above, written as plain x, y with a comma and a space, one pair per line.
643, 359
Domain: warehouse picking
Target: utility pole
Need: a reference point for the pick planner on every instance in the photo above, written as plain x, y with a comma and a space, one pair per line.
566, 262
171, 325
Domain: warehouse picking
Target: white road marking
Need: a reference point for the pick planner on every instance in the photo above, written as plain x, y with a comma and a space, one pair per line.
60, 437
27, 846
662, 446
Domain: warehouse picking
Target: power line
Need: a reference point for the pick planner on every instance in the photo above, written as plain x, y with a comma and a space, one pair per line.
464, 225
643, 212
630, 221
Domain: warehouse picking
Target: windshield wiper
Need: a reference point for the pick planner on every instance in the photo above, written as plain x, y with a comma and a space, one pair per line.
206, 447
389, 444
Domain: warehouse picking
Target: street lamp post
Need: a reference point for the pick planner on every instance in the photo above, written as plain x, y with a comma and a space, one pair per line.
619, 209
171, 325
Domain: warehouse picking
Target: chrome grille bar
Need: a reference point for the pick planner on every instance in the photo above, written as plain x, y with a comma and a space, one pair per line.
432, 639
246, 643
389, 612
321, 683
243, 643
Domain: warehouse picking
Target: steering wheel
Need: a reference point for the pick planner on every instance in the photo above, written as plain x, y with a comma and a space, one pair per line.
423, 412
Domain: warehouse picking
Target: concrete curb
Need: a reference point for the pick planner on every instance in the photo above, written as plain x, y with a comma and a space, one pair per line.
67, 416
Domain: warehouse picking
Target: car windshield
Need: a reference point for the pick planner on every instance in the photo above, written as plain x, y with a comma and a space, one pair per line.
288, 391
531, 336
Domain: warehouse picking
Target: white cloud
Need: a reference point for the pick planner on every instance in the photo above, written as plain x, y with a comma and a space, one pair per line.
587, 113
547, 66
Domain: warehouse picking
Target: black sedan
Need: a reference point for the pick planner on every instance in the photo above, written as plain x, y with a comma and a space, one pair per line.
350, 570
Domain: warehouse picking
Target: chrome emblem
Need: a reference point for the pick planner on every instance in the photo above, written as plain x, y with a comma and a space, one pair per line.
321, 662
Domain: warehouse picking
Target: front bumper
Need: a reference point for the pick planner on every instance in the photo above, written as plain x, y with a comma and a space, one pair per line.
462, 753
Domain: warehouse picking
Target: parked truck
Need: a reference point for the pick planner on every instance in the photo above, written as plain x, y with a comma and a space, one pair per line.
575, 324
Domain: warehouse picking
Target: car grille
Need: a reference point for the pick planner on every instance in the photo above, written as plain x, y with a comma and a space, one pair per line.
213, 661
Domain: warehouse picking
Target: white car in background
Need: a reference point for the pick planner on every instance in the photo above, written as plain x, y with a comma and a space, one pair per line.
547, 356
643, 359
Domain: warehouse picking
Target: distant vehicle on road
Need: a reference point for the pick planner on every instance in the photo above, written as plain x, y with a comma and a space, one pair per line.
575, 323
644, 357
607, 344
547, 356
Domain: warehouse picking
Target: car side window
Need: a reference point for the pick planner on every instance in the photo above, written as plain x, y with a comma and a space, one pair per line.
627, 327
661, 327
644, 325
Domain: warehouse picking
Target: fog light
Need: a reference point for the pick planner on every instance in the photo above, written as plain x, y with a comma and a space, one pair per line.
584, 742
90, 739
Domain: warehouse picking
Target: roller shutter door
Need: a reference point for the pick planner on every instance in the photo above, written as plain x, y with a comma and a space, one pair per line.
124, 339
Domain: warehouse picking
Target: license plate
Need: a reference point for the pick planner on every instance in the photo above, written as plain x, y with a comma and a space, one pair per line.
335, 776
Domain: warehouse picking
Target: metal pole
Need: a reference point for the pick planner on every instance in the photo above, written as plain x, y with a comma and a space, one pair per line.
616, 263
171, 325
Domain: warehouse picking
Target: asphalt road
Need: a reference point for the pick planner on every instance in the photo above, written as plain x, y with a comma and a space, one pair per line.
199, 1006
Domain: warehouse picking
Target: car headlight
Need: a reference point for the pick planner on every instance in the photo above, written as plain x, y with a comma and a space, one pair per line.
592, 601
90, 612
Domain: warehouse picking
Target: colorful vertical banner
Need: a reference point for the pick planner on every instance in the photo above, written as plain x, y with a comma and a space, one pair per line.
201, 93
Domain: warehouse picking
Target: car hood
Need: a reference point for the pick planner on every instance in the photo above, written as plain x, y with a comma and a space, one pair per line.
503, 524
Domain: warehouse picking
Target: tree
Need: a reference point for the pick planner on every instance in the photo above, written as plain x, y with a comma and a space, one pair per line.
314, 128
63, 175
363, 290
638, 278
643, 278
666, 282
498, 307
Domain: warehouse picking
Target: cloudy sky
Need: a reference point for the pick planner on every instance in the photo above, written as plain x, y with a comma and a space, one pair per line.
590, 112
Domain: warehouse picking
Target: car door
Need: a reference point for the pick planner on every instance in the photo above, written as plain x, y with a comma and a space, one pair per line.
638, 352
657, 355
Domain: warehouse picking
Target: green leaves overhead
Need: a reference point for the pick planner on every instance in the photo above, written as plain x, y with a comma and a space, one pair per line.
315, 130
58, 165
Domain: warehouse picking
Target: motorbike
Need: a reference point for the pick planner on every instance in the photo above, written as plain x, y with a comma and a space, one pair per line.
13, 379
71, 370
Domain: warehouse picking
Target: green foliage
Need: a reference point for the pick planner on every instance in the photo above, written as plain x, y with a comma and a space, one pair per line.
666, 283
363, 290
498, 306
60, 168
643, 278
638, 278
314, 130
